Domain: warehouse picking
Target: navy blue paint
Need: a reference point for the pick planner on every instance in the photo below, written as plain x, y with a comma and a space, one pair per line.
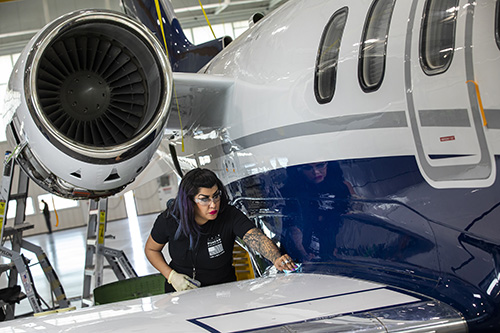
183, 55
379, 220
206, 327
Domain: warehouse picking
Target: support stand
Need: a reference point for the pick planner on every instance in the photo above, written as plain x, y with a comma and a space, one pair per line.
19, 264
96, 252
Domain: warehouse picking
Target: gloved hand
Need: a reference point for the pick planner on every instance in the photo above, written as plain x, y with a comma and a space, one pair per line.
182, 282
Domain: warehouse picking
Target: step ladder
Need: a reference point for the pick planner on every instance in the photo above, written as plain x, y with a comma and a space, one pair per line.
19, 264
96, 252
242, 263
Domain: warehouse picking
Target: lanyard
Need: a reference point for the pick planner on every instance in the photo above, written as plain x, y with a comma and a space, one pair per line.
194, 255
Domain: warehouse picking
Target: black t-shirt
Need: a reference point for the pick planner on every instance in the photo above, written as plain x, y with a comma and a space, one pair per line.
212, 258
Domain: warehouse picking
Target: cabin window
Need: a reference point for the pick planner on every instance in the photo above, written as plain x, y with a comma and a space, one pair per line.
497, 24
437, 39
328, 56
371, 65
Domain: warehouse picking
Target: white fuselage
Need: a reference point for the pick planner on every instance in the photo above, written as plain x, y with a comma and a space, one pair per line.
272, 118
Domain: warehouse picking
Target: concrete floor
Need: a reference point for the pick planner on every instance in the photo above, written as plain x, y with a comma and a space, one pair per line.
65, 250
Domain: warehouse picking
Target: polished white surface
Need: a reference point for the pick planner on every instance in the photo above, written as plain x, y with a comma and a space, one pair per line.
244, 305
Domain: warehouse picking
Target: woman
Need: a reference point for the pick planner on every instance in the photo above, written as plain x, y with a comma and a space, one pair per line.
318, 197
200, 228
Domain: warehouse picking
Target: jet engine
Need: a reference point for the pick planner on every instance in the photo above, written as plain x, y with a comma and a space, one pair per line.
87, 102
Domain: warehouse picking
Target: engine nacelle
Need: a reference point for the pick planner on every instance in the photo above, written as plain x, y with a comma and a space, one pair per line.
88, 100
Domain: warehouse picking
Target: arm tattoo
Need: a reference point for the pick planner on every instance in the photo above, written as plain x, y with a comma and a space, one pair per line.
259, 242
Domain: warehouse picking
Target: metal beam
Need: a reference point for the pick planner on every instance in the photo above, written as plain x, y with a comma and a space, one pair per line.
274, 3
216, 5
222, 7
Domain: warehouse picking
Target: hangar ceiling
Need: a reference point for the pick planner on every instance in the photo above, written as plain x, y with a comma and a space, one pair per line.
21, 19
219, 11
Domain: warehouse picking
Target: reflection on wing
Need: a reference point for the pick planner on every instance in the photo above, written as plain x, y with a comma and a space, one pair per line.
282, 303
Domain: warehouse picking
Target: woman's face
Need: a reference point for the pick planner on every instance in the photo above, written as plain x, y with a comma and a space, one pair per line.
315, 172
207, 204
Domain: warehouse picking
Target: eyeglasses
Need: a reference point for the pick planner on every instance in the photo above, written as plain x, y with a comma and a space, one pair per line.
205, 201
314, 166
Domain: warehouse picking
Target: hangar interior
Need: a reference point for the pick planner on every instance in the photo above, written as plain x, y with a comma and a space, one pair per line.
131, 213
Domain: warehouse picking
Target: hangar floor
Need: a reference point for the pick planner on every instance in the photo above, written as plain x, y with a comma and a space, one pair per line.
66, 252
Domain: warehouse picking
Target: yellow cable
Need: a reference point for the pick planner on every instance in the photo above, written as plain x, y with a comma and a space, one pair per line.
14, 152
206, 18
158, 12
55, 211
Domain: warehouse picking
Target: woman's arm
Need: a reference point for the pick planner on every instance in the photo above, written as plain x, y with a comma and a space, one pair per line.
155, 256
296, 235
259, 242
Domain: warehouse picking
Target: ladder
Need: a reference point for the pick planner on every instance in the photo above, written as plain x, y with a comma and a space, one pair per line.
96, 252
242, 263
19, 264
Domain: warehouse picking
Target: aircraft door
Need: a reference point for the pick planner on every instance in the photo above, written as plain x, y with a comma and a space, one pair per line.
486, 54
444, 107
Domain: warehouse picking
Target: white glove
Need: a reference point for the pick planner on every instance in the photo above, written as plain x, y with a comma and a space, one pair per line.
182, 282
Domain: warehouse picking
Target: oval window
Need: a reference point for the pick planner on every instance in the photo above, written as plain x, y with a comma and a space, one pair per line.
437, 39
497, 24
371, 65
328, 56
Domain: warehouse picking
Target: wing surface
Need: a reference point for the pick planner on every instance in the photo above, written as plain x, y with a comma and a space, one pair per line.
295, 302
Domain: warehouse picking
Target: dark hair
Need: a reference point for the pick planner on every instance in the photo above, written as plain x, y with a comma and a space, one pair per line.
182, 209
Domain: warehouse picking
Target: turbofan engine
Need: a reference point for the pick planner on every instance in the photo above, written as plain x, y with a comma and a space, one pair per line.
87, 101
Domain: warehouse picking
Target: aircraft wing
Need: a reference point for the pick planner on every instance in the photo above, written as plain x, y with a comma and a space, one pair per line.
294, 302
201, 99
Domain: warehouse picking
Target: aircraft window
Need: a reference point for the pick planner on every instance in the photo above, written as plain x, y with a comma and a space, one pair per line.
437, 39
328, 55
497, 24
374, 45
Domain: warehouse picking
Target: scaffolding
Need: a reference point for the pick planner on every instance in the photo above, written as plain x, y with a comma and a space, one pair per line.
19, 265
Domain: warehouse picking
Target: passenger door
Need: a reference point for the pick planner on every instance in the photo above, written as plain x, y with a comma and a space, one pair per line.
445, 115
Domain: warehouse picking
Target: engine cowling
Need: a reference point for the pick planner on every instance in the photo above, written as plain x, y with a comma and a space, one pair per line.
87, 101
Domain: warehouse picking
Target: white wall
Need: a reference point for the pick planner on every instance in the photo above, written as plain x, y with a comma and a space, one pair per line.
152, 197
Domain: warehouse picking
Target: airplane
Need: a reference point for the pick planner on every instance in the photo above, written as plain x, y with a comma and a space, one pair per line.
362, 137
